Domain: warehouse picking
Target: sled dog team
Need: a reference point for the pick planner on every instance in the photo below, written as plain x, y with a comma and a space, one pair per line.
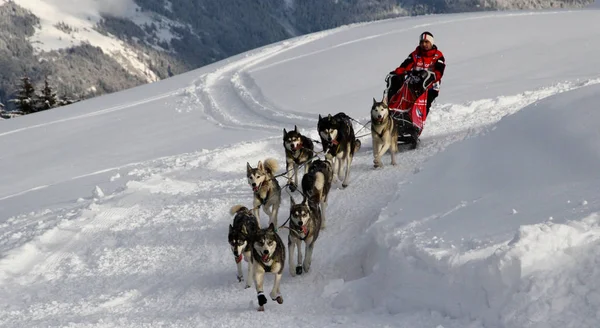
261, 247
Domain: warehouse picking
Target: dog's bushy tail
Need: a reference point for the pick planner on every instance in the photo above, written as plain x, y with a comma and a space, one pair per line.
236, 208
271, 165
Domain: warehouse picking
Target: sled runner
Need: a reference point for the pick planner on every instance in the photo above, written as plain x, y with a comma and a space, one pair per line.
408, 106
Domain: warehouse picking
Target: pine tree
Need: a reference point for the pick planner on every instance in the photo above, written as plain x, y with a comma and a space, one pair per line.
47, 99
24, 101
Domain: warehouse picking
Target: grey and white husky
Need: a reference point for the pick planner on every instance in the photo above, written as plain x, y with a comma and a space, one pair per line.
241, 234
267, 192
268, 256
383, 132
317, 183
305, 224
299, 150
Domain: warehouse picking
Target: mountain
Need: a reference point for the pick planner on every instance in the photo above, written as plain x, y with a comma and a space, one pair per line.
114, 211
91, 47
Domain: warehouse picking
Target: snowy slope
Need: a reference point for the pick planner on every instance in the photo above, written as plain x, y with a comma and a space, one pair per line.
114, 211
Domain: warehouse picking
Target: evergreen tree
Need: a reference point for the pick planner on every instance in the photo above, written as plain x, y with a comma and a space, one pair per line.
24, 101
47, 99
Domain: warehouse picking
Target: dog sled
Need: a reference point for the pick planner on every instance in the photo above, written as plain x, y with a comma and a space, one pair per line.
408, 107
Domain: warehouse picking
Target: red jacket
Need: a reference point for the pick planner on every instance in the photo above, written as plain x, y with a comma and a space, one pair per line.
419, 59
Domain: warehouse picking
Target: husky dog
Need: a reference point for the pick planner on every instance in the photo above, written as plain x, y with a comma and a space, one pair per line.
267, 192
268, 256
383, 132
298, 150
339, 143
317, 183
305, 223
244, 228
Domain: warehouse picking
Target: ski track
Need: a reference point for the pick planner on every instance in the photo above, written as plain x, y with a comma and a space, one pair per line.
147, 251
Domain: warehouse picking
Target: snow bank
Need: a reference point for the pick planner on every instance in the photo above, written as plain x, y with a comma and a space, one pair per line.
502, 228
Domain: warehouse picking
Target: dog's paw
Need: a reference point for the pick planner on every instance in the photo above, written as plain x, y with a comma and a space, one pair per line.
344, 185
279, 300
247, 286
306, 267
292, 187
262, 299
292, 272
298, 270
240, 278
261, 309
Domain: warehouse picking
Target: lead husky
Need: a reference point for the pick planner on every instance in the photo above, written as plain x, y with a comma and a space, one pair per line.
268, 256
241, 233
317, 183
298, 150
339, 142
267, 192
383, 132
305, 224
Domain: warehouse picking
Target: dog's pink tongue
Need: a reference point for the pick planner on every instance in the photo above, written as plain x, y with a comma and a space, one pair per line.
255, 188
265, 258
304, 230
238, 259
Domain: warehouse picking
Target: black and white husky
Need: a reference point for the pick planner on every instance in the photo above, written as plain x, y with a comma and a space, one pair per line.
305, 224
299, 150
266, 189
241, 234
268, 256
339, 143
317, 183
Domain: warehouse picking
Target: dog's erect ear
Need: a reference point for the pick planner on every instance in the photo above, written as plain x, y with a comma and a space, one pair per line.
329, 117
295, 128
260, 166
284, 132
374, 101
320, 118
230, 228
271, 227
248, 167
384, 100
244, 230
292, 201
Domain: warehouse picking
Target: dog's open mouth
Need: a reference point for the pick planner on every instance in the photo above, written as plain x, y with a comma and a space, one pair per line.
238, 259
265, 258
304, 229
255, 188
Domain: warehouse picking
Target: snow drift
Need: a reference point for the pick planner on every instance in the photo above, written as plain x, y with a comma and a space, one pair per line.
529, 187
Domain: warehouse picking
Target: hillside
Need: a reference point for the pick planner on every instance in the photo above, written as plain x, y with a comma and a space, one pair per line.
96, 47
114, 210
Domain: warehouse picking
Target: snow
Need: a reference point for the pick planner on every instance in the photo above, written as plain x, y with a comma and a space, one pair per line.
114, 210
82, 17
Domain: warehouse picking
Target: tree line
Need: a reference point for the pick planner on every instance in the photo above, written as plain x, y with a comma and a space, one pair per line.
28, 101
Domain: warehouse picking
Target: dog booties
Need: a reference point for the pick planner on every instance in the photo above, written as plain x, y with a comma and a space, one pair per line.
262, 299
